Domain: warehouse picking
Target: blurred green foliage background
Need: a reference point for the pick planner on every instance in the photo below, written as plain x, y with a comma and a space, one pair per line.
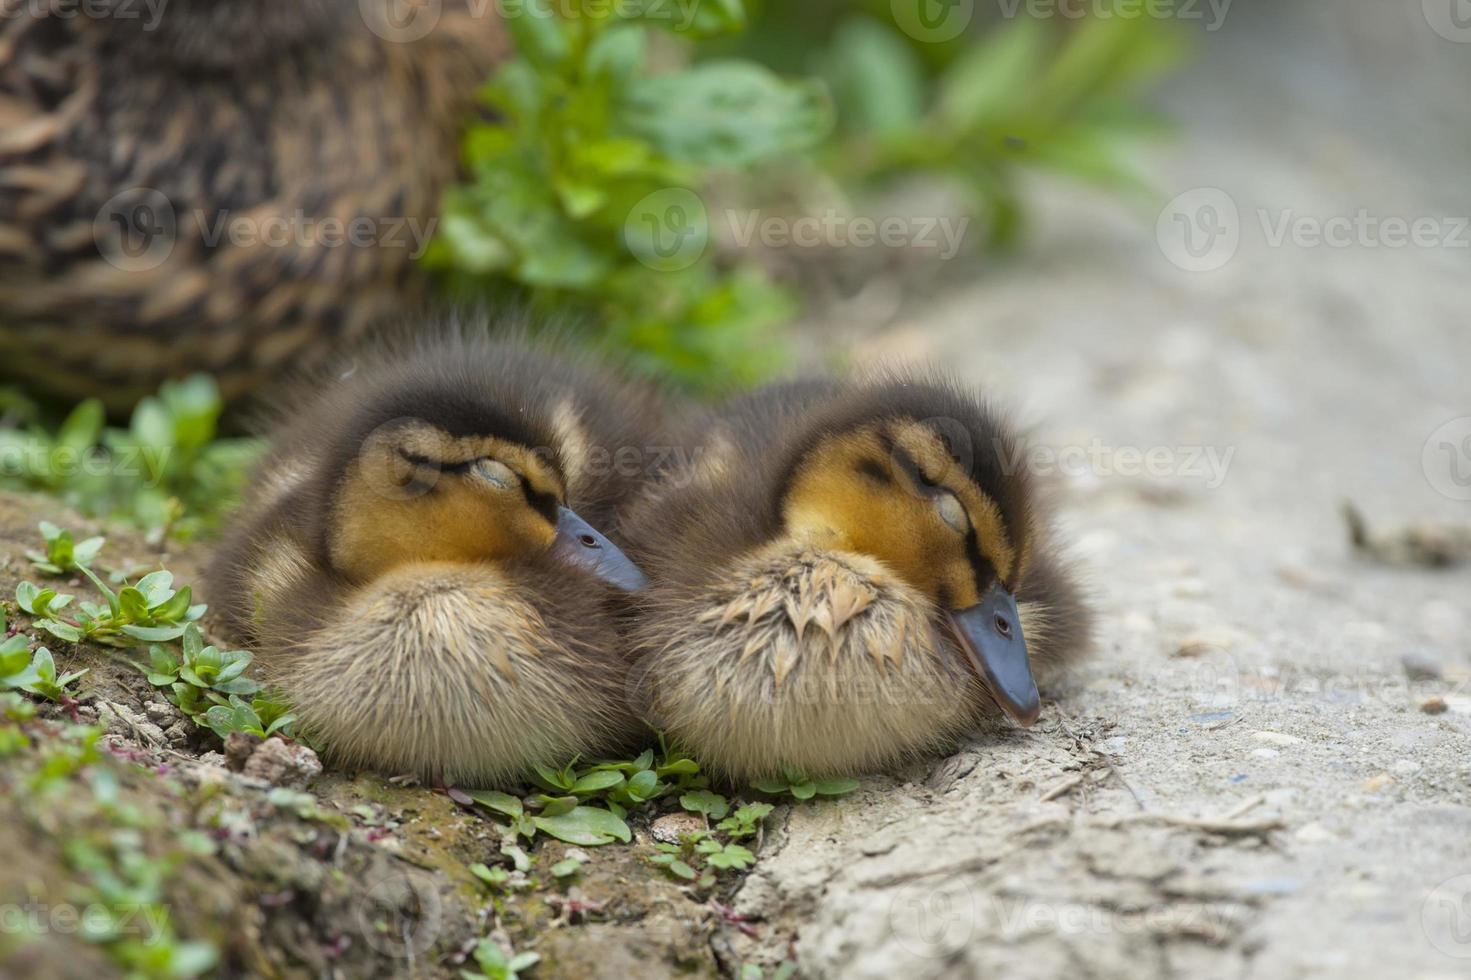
622, 130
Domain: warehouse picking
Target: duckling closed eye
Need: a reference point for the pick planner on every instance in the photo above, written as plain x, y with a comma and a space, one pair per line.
848, 576
421, 567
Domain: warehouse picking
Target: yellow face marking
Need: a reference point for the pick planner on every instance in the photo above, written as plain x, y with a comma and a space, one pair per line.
853, 494
402, 500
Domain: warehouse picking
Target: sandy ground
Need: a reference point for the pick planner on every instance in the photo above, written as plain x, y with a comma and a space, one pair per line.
1243, 781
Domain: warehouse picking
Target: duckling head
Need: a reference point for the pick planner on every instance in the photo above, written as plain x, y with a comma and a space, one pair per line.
925, 489
459, 488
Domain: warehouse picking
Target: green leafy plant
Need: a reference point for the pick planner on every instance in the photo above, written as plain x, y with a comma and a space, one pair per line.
495, 964
699, 856
151, 610
65, 784
800, 787
584, 197
240, 716
1027, 94
561, 817
745, 821
200, 670
34, 673
62, 556
167, 472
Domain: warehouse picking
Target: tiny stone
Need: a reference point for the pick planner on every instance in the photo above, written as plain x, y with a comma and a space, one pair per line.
1313, 833
238, 748
282, 763
1379, 782
161, 713
1406, 766
1265, 753
1433, 706
1276, 738
667, 828
1206, 641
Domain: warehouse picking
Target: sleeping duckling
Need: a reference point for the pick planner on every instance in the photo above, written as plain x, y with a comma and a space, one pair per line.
845, 575
414, 567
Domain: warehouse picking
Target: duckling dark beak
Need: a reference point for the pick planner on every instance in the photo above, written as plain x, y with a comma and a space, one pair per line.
990, 633
579, 543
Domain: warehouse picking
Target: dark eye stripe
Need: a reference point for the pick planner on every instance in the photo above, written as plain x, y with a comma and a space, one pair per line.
981, 567
911, 470
433, 464
543, 503
874, 471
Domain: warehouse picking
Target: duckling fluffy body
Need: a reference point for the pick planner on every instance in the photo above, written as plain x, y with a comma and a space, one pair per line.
410, 568
231, 186
813, 567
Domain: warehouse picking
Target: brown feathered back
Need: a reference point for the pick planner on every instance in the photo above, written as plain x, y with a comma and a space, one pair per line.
236, 188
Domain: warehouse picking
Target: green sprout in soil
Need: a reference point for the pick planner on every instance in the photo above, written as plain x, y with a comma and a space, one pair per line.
800, 787
494, 963
168, 472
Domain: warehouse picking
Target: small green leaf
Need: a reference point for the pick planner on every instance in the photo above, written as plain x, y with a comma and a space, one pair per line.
643, 785
500, 802
556, 806
174, 608
566, 868
712, 805
839, 786
153, 634
595, 782
60, 630
517, 856
494, 877
586, 825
